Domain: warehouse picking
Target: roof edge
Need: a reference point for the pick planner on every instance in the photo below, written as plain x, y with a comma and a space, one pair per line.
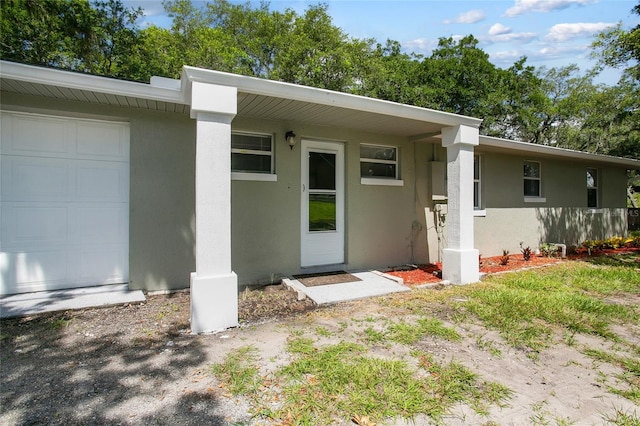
94, 83
279, 89
557, 152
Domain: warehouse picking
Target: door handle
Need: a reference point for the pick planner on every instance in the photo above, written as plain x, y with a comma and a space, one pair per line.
303, 187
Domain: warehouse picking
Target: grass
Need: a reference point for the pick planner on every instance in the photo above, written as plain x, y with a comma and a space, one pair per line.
527, 307
340, 381
623, 418
59, 323
333, 383
630, 375
408, 334
239, 372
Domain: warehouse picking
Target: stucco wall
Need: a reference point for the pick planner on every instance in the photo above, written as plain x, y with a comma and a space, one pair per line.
161, 206
162, 209
385, 225
381, 222
562, 218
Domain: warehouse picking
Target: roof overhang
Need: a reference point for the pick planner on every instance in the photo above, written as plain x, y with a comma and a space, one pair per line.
507, 146
59, 84
257, 98
273, 100
262, 98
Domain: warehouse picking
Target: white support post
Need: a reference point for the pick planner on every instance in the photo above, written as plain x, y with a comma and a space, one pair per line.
214, 286
460, 263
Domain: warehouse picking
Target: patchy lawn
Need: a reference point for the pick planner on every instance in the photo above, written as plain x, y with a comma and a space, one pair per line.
557, 345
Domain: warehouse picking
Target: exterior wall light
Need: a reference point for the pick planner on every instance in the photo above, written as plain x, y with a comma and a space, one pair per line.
290, 137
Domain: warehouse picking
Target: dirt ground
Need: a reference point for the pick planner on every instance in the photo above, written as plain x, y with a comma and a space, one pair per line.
139, 364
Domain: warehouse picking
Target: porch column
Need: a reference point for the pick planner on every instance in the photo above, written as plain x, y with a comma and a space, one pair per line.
214, 286
460, 259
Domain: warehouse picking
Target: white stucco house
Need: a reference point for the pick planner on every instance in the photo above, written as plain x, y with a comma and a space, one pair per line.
218, 180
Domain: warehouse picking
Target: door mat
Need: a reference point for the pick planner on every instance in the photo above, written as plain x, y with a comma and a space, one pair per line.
326, 278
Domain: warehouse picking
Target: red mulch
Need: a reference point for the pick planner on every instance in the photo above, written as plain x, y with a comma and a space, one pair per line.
432, 273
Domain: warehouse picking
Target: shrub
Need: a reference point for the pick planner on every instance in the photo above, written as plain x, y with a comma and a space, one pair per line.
614, 242
549, 250
504, 259
526, 252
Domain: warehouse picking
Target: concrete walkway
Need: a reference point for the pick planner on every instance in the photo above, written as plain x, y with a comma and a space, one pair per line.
21, 305
373, 283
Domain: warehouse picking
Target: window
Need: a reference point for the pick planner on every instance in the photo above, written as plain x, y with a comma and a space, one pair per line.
477, 200
251, 153
378, 162
531, 179
592, 188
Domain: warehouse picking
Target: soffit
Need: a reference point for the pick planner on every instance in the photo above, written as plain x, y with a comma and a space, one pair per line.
249, 105
257, 98
295, 111
92, 96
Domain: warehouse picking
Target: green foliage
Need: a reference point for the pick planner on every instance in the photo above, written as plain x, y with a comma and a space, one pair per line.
594, 246
326, 383
97, 37
528, 306
459, 78
239, 372
558, 106
623, 418
630, 375
549, 250
408, 334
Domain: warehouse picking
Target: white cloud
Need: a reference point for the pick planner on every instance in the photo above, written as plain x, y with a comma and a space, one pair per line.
510, 37
506, 56
420, 45
524, 6
564, 32
498, 29
469, 17
556, 52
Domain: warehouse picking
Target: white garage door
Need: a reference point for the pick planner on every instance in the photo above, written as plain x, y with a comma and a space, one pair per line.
64, 205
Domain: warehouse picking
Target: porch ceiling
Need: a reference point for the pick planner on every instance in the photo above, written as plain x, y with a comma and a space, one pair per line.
274, 108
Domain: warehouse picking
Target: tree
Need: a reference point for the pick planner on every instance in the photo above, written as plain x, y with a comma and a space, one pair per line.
459, 78
319, 54
516, 104
70, 34
390, 74
617, 48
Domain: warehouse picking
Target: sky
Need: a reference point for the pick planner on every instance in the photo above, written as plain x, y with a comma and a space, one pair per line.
550, 33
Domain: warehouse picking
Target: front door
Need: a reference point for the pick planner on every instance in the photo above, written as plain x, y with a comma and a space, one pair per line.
322, 221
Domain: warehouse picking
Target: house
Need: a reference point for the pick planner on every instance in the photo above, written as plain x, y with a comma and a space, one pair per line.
219, 180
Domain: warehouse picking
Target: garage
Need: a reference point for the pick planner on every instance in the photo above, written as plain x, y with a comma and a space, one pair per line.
64, 204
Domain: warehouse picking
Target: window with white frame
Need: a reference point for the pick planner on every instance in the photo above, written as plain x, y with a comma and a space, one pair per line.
378, 161
592, 188
251, 153
532, 179
477, 185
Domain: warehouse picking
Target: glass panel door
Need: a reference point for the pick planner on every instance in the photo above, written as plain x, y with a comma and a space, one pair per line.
322, 209
322, 191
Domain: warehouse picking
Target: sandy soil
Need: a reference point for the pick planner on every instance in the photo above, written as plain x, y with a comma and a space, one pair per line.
139, 364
